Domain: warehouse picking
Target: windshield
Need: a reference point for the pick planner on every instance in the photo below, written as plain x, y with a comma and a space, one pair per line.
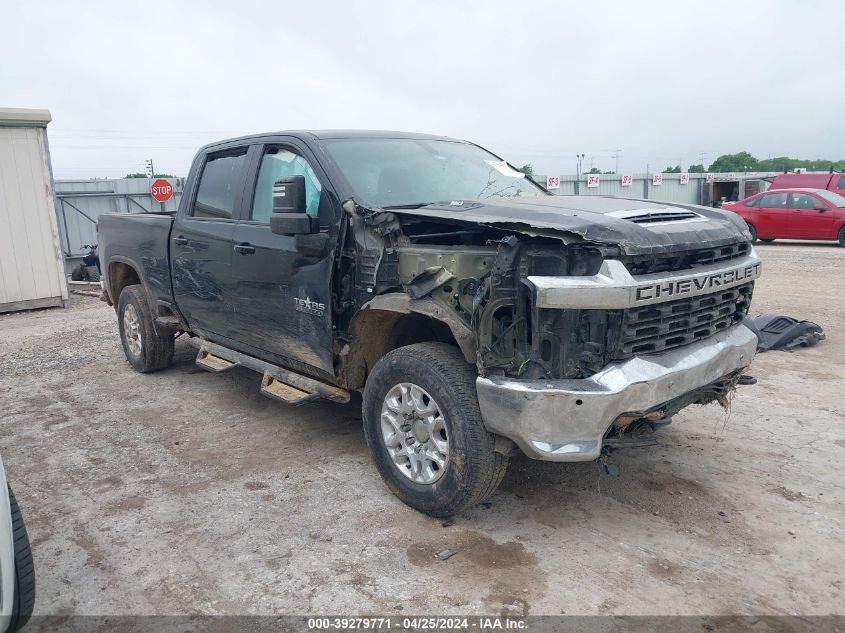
395, 172
833, 198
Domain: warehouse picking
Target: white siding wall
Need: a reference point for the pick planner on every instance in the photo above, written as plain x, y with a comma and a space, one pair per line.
31, 271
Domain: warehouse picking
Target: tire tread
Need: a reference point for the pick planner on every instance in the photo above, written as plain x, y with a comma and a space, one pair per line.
485, 468
24, 599
157, 350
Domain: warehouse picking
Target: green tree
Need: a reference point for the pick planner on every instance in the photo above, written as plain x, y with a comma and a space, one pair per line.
594, 170
696, 169
672, 170
528, 170
140, 175
741, 161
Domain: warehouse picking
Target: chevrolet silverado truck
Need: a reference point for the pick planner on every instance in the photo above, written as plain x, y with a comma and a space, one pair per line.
477, 314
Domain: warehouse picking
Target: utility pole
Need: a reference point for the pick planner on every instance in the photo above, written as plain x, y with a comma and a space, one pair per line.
616, 156
580, 158
701, 156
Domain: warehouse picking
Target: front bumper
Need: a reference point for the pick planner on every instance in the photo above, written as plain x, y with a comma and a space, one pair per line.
566, 420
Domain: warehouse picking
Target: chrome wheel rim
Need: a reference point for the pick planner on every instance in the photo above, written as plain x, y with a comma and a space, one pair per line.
132, 329
414, 432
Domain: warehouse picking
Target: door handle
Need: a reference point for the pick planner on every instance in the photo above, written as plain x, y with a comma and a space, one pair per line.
244, 248
181, 240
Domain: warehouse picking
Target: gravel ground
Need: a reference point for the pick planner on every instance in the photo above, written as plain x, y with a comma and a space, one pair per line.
187, 492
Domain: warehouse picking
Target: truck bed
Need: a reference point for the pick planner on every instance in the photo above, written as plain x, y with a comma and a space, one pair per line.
141, 240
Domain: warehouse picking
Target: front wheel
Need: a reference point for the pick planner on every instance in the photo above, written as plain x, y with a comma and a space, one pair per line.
841, 237
753, 233
424, 429
145, 350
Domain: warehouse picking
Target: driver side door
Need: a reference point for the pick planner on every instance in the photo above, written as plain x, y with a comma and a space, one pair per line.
283, 291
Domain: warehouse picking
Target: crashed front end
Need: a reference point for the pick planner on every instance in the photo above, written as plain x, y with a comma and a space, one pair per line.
579, 340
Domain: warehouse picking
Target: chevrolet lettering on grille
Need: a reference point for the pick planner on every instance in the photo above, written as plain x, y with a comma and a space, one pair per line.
697, 285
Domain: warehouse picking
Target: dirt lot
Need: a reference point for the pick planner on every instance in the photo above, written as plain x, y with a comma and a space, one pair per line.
188, 492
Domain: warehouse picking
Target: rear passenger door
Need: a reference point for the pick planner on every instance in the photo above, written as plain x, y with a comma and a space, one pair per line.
201, 244
283, 292
775, 217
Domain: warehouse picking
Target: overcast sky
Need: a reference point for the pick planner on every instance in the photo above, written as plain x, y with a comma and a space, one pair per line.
534, 82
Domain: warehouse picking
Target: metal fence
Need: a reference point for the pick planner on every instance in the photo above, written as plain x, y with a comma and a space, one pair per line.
80, 202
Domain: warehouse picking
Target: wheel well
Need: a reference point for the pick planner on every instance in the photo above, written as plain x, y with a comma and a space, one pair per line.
121, 275
377, 332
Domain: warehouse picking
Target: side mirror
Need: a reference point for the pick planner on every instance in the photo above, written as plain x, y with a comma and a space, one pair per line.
289, 216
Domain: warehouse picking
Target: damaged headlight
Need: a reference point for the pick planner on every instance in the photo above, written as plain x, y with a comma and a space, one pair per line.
570, 261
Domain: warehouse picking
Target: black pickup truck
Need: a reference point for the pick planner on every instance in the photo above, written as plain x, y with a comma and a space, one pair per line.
478, 314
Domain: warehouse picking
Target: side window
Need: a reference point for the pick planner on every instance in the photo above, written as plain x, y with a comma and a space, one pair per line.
219, 183
841, 184
773, 201
278, 163
802, 201
753, 202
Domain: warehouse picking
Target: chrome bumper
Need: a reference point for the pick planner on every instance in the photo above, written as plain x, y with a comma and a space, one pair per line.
565, 420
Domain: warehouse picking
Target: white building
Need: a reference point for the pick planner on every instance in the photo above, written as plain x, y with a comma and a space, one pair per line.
31, 267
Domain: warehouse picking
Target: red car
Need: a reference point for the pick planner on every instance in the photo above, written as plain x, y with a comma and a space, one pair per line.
800, 214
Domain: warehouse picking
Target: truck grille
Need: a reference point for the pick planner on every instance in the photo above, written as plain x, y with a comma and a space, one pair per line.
663, 326
684, 260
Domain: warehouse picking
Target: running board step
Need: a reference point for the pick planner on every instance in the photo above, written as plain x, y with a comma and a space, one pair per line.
277, 382
216, 364
278, 390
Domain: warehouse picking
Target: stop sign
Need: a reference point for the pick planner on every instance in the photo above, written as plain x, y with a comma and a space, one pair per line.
161, 190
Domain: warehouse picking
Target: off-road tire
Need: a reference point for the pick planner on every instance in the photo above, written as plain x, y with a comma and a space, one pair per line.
842, 236
24, 599
78, 273
753, 233
156, 351
92, 274
474, 469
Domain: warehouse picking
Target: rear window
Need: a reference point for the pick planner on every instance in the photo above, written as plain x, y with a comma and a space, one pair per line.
773, 201
219, 184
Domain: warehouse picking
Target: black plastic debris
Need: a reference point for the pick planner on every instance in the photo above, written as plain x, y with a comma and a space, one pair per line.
780, 332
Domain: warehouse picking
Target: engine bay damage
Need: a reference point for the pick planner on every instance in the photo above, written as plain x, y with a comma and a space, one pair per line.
479, 274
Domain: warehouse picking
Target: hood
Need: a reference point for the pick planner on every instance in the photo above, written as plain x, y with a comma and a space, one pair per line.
637, 227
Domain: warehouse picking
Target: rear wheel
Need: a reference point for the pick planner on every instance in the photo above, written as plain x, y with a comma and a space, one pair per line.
842, 236
23, 600
753, 233
145, 350
424, 429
